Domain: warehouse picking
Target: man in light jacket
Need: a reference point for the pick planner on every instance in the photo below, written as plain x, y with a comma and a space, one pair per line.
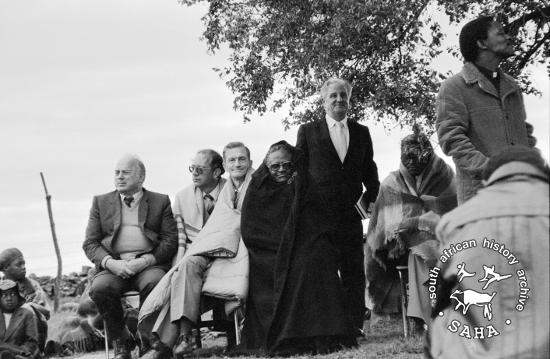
480, 110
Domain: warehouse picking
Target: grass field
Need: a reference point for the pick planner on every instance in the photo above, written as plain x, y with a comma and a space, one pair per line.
384, 340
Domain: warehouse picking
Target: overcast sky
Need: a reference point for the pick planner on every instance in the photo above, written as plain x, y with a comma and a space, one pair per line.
83, 82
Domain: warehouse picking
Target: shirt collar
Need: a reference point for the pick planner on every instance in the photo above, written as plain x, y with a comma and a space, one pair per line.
137, 197
332, 122
215, 192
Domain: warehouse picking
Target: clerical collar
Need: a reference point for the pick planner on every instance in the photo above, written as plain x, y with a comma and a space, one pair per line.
490, 74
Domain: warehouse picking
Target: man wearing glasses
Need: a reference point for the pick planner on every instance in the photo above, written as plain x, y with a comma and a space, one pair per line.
217, 239
194, 204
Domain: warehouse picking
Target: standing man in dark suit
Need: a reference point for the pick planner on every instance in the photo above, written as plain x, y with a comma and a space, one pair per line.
131, 238
339, 156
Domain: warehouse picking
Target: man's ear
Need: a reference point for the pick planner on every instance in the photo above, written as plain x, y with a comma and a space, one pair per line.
481, 44
217, 173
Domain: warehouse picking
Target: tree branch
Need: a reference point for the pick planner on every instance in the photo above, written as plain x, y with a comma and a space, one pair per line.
513, 27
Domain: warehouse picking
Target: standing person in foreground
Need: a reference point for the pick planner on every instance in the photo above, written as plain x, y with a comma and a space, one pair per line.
295, 303
480, 110
508, 220
339, 156
131, 238
174, 306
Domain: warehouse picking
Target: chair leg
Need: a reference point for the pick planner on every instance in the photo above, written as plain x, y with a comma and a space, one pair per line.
198, 341
401, 270
237, 327
106, 339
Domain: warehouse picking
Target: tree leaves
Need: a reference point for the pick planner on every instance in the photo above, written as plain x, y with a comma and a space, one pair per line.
283, 50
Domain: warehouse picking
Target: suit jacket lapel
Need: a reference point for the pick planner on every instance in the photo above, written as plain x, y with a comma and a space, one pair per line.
325, 140
143, 209
2, 327
116, 207
353, 140
15, 321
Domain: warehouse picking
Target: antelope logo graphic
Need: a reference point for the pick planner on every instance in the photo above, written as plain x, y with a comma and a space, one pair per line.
492, 276
470, 297
462, 272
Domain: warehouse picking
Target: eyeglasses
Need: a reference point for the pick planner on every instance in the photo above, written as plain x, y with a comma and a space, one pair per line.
284, 166
200, 170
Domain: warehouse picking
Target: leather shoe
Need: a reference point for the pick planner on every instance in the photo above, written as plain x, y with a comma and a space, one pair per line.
121, 350
159, 350
185, 344
124, 345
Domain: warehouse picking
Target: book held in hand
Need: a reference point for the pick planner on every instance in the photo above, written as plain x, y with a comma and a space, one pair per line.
362, 206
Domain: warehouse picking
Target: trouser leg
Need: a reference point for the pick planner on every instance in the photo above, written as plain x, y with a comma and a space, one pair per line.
187, 288
105, 291
352, 270
145, 281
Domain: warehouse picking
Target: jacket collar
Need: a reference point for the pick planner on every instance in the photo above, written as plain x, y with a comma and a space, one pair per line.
472, 75
513, 169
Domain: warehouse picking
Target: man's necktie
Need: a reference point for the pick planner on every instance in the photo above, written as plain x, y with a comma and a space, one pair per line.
236, 199
340, 144
128, 200
208, 205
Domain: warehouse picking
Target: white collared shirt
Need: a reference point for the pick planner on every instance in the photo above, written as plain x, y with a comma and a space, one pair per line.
332, 123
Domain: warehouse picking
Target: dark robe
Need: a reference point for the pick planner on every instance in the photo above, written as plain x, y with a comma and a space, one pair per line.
295, 302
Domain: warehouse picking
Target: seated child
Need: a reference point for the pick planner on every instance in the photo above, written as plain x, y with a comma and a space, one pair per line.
12, 264
18, 326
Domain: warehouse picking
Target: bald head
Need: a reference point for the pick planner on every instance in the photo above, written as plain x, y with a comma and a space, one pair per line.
129, 174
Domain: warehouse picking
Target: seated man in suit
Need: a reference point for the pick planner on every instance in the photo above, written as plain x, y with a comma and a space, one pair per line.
194, 204
131, 238
174, 306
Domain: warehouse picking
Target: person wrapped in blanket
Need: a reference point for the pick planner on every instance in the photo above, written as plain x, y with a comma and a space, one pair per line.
12, 264
18, 327
402, 228
295, 301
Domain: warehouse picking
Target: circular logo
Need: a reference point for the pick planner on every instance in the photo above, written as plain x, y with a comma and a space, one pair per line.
477, 287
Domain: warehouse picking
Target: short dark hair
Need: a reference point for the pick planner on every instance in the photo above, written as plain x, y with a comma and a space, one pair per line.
235, 144
472, 32
216, 161
516, 153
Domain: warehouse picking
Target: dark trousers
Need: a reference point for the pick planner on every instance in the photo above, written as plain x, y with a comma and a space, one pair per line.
350, 258
107, 289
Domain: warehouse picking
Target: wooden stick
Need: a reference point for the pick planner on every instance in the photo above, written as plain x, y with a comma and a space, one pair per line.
56, 246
